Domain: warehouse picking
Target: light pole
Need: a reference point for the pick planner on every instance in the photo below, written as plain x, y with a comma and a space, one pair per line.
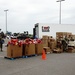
60, 10
6, 19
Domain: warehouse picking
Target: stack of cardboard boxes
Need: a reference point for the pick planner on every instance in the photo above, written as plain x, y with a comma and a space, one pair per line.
61, 36
48, 43
45, 40
52, 43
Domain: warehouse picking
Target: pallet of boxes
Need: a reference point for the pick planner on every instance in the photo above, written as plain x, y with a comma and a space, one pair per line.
32, 47
46, 44
29, 48
24, 48
14, 49
52, 44
62, 39
71, 44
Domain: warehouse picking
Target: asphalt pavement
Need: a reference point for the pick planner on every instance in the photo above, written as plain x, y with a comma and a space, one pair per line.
55, 64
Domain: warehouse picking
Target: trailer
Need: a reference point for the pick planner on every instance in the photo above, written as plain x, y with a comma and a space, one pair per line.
42, 29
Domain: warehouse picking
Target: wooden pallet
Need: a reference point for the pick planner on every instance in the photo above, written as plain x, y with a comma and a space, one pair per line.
27, 56
57, 52
12, 58
9, 58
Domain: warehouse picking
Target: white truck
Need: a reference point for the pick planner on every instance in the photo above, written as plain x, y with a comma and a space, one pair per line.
51, 29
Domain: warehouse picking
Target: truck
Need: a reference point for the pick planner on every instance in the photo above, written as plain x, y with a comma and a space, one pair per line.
41, 29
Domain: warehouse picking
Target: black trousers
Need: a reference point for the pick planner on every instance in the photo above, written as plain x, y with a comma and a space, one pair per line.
1, 46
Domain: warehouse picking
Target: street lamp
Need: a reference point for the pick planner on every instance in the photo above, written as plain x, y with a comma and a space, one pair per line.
60, 10
6, 19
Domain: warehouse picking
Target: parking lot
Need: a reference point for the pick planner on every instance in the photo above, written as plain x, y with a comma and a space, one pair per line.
55, 64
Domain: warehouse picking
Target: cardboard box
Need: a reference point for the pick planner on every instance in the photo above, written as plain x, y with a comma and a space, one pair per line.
52, 45
45, 42
38, 48
29, 49
10, 51
71, 50
45, 37
57, 50
73, 37
49, 37
14, 51
17, 51
61, 34
47, 49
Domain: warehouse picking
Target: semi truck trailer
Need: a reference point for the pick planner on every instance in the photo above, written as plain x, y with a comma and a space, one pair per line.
42, 29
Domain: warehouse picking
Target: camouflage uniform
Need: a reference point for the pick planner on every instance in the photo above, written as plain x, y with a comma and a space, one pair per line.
65, 44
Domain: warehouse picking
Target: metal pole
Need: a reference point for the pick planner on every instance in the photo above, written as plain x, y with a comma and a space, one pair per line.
60, 14
6, 22
60, 10
6, 19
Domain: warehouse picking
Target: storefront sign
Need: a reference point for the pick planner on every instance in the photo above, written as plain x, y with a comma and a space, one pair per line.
45, 28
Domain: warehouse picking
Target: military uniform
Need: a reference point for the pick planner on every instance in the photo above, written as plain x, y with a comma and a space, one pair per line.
65, 44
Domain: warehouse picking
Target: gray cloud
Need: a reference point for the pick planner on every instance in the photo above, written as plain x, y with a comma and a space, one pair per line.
23, 14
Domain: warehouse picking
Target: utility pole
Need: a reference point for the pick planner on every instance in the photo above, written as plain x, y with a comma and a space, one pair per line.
6, 18
60, 10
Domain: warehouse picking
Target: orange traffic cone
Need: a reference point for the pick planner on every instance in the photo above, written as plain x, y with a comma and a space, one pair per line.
43, 55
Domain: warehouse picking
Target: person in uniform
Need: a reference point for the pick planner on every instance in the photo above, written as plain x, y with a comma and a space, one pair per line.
65, 44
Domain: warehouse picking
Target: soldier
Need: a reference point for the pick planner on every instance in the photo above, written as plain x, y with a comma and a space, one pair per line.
65, 43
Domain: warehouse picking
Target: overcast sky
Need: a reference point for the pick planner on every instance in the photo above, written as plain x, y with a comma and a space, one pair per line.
23, 14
